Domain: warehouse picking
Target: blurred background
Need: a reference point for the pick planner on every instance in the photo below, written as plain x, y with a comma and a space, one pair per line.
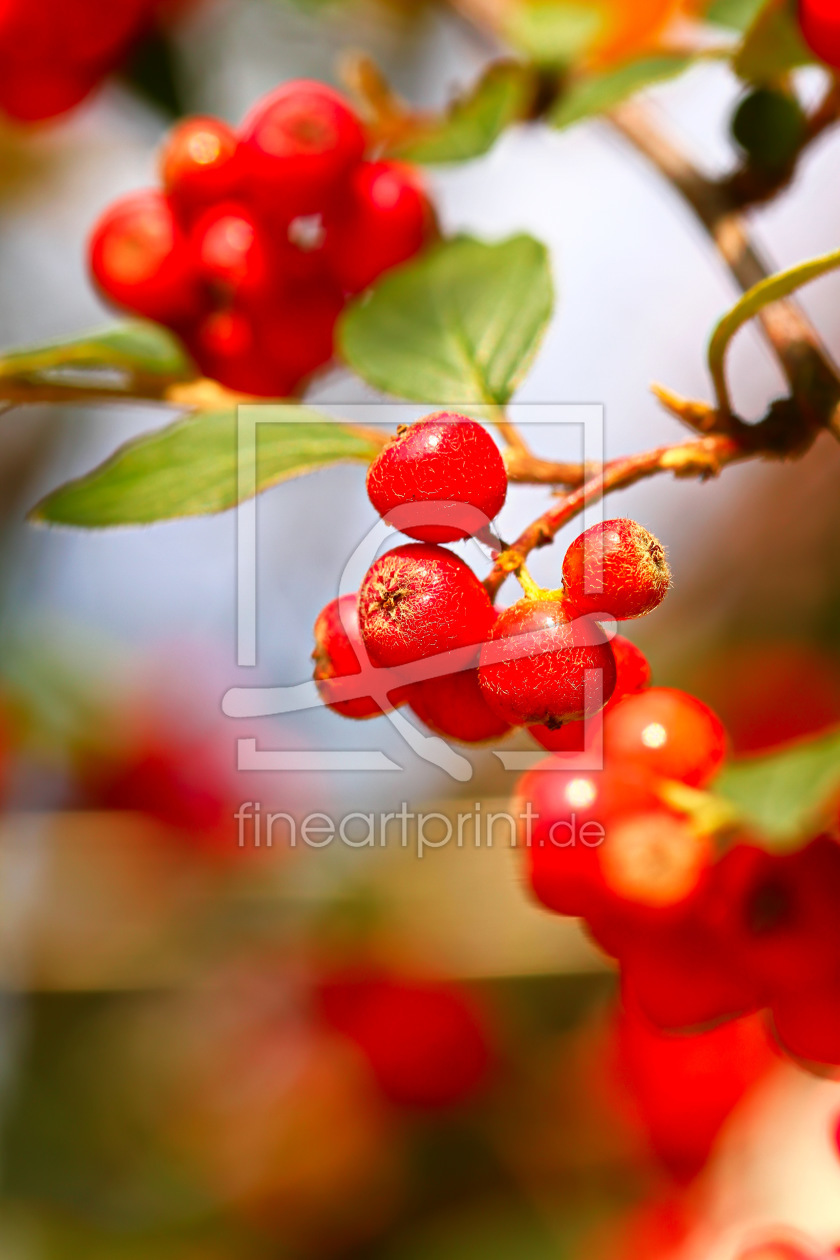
198, 1057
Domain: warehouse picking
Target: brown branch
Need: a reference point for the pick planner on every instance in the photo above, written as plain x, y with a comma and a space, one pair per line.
804, 360
702, 458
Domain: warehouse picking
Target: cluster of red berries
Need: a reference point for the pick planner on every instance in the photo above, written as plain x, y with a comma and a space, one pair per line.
425, 1041
545, 662
54, 53
258, 238
700, 935
820, 22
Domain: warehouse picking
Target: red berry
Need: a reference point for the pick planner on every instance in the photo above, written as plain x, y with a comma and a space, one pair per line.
446, 461
564, 816
667, 732
141, 261
299, 145
685, 1087
297, 328
454, 706
654, 859
340, 653
226, 349
383, 221
32, 94
617, 568
199, 164
426, 1042
632, 674
807, 1022
420, 600
229, 250
820, 22
552, 658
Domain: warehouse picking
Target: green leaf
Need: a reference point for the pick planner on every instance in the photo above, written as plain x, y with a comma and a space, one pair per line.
738, 15
598, 93
553, 32
754, 300
190, 468
473, 122
785, 794
461, 325
139, 348
773, 45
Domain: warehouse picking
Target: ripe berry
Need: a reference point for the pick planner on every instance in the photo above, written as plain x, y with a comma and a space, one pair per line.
571, 814
226, 348
426, 1042
32, 94
383, 221
454, 706
299, 144
820, 22
141, 261
668, 733
537, 664
807, 1022
654, 859
340, 653
444, 460
632, 674
616, 568
297, 328
229, 250
420, 600
199, 165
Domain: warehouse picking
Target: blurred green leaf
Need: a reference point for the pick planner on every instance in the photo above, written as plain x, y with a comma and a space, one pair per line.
598, 93
553, 32
738, 15
190, 468
460, 325
473, 122
153, 70
785, 793
773, 44
137, 347
754, 300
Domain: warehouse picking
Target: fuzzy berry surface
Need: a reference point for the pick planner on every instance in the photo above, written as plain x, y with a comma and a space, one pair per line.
420, 600
616, 568
668, 733
633, 674
534, 669
449, 462
339, 653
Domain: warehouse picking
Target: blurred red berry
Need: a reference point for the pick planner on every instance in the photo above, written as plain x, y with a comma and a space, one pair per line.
199, 165
141, 261
299, 144
426, 1041
230, 253
616, 568
820, 22
383, 221
669, 733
